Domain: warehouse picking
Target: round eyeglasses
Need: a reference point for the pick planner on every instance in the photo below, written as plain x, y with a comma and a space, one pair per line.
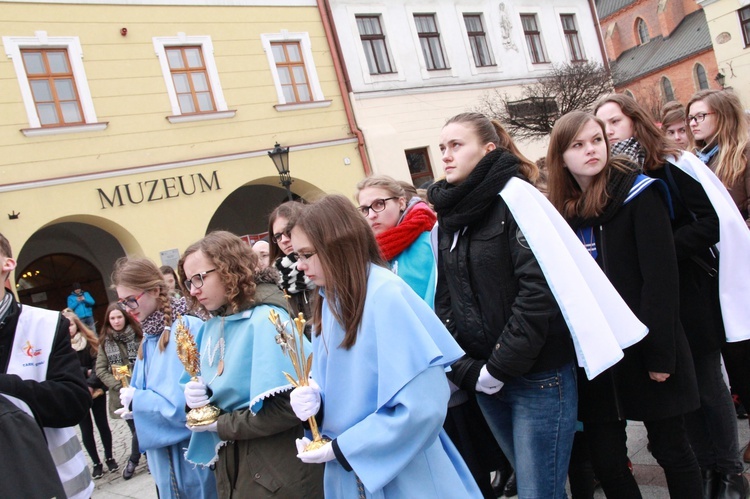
377, 206
197, 280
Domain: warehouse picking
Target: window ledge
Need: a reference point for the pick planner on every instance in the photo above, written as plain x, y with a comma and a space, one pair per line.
59, 130
302, 105
186, 118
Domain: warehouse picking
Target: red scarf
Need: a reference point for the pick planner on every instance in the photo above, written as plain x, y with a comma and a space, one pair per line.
420, 218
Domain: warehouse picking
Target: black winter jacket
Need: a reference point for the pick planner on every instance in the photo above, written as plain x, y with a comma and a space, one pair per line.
493, 297
63, 399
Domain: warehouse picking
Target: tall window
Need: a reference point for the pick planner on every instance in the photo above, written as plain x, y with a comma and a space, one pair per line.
642, 31
419, 166
373, 42
291, 69
190, 79
478, 40
53, 86
700, 77
744, 14
533, 38
630, 94
571, 37
666, 87
429, 39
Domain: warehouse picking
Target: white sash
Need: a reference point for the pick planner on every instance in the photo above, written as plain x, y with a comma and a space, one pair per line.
29, 359
733, 245
600, 322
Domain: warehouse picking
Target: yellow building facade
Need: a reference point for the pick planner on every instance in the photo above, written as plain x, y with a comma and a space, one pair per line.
128, 128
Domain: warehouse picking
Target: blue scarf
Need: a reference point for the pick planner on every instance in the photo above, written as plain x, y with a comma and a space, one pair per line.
706, 156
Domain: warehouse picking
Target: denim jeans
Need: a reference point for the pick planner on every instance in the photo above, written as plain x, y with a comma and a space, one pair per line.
533, 419
712, 429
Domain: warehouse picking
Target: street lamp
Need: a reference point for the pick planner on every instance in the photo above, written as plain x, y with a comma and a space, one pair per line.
720, 79
280, 158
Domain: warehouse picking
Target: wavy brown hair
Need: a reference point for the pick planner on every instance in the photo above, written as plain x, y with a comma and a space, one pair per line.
488, 130
731, 132
564, 192
649, 136
234, 261
143, 274
346, 247
107, 330
289, 210
90, 336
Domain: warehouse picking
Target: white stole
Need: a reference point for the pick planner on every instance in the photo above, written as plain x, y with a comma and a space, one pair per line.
599, 320
733, 245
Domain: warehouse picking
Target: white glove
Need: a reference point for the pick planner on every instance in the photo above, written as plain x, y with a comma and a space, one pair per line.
196, 393
305, 400
205, 427
322, 455
124, 413
487, 383
126, 396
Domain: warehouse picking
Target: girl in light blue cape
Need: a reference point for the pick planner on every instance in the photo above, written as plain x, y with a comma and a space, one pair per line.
379, 355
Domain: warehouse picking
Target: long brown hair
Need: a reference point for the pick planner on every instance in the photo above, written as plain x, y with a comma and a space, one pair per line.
91, 339
673, 112
731, 132
289, 210
107, 330
143, 274
234, 261
649, 136
564, 192
487, 131
346, 246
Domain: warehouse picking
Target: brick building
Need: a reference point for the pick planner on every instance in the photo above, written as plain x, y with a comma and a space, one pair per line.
659, 50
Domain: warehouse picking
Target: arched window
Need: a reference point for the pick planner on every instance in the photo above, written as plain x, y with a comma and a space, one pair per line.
642, 31
700, 77
629, 94
666, 89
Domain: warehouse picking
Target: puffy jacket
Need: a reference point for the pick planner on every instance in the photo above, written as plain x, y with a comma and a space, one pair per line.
493, 297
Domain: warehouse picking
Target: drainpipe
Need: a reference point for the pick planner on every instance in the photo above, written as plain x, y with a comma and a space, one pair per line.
327, 18
595, 18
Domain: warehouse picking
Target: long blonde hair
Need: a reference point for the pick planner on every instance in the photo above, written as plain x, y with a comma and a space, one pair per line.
143, 274
731, 132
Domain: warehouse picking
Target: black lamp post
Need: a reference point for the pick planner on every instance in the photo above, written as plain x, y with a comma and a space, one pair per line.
280, 157
720, 79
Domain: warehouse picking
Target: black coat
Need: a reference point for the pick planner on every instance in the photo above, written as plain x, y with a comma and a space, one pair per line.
493, 297
636, 251
61, 400
694, 234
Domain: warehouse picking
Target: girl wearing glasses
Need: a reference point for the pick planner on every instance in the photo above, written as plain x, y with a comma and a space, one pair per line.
251, 445
402, 229
381, 384
711, 309
622, 218
292, 280
154, 398
119, 340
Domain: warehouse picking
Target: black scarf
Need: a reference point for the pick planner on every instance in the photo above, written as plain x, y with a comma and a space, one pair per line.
619, 184
459, 205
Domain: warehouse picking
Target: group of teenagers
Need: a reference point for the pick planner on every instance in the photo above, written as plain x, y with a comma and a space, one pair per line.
485, 324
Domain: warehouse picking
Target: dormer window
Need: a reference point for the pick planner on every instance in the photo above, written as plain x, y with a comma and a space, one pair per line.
642, 31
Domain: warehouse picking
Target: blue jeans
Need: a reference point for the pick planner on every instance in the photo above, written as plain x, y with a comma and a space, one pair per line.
533, 419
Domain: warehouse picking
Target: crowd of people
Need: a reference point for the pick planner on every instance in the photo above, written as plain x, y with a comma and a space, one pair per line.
480, 337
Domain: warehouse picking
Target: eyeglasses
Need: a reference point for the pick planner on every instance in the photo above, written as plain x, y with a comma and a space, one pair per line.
698, 117
277, 237
377, 206
197, 280
304, 257
130, 302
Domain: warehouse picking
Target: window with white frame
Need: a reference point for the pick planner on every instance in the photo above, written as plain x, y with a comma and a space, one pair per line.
53, 83
533, 38
744, 14
643, 36
373, 43
293, 70
570, 30
480, 50
701, 80
666, 88
191, 78
429, 39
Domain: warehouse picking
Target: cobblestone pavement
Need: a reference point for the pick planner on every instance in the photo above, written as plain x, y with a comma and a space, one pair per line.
649, 475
